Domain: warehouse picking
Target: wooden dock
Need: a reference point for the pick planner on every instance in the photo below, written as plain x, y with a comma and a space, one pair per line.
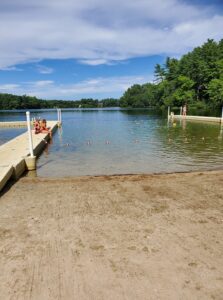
13, 154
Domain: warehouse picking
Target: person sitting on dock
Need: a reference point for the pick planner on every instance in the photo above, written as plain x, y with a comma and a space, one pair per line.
37, 126
44, 128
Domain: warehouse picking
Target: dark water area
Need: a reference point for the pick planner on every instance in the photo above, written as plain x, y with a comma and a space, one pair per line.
114, 141
7, 134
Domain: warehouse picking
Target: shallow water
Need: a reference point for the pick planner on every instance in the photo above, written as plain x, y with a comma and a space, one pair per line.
94, 142
7, 134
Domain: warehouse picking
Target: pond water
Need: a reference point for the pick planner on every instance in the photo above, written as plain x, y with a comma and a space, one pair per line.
103, 141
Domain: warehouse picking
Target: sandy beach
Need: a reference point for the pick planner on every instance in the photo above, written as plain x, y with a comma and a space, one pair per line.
113, 237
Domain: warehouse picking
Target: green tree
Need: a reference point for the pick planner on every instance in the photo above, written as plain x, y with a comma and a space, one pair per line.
159, 73
215, 92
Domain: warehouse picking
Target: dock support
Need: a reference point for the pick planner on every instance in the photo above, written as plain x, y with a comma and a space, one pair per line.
168, 113
29, 134
30, 160
59, 116
181, 108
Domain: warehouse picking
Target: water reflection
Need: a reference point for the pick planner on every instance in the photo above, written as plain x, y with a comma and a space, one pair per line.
193, 139
221, 132
31, 174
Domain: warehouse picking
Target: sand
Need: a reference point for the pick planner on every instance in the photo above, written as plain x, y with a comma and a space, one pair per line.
113, 237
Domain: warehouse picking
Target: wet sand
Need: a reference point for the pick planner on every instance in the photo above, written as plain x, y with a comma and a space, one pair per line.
113, 237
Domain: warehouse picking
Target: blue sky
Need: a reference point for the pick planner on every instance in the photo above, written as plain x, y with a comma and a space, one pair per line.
96, 48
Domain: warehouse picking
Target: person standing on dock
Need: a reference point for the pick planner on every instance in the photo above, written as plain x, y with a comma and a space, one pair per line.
184, 110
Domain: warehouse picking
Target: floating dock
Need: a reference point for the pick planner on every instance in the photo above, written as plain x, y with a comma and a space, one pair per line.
197, 118
14, 153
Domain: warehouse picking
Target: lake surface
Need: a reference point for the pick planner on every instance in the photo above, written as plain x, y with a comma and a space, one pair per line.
102, 141
7, 134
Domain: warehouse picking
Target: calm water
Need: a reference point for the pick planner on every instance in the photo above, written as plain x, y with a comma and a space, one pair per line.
124, 141
7, 134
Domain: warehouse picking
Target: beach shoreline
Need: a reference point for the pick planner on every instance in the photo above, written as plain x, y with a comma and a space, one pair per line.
33, 174
155, 236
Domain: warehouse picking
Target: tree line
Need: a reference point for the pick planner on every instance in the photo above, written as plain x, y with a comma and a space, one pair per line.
196, 79
9, 101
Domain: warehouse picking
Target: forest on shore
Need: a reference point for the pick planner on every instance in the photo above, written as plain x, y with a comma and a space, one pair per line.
9, 101
196, 79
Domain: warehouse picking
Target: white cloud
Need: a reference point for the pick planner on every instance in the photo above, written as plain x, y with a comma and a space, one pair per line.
98, 31
100, 87
6, 88
95, 62
44, 70
12, 68
40, 83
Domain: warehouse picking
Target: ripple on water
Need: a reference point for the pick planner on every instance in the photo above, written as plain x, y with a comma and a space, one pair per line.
113, 142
